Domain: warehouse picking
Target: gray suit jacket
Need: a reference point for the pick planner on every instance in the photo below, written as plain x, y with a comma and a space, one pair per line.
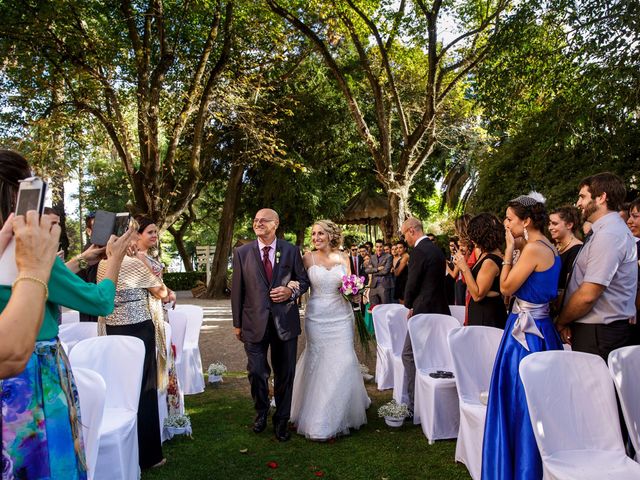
250, 301
384, 277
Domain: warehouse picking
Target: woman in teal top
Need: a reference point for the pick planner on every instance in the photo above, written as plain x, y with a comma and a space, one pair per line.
41, 436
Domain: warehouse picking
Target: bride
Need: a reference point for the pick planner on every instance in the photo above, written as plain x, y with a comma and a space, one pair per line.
329, 396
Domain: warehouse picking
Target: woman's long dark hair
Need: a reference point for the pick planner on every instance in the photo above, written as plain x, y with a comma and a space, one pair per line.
13, 168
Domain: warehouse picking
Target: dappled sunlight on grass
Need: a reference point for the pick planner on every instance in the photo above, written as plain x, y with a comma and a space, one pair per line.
225, 447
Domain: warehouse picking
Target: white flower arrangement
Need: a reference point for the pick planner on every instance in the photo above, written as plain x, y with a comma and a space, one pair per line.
177, 421
393, 410
177, 425
217, 368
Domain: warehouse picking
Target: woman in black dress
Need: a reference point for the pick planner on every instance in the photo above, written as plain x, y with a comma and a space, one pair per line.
400, 270
564, 222
486, 306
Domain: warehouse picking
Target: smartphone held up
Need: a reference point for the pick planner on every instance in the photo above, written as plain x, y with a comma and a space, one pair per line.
31, 195
109, 223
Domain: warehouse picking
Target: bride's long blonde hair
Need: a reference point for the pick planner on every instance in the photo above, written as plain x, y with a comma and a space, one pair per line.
332, 230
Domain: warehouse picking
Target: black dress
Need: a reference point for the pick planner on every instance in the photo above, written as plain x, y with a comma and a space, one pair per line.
490, 311
567, 258
401, 281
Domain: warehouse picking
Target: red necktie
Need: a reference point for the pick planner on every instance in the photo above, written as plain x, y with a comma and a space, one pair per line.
268, 268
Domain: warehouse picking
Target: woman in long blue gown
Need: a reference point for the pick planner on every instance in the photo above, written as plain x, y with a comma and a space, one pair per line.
509, 450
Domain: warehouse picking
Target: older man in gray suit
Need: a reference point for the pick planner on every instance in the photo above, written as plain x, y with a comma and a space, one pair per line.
379, 268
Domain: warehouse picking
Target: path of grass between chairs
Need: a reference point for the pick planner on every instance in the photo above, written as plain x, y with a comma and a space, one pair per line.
224, 447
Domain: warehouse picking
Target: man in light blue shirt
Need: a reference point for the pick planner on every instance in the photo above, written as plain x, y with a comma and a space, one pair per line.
600, 298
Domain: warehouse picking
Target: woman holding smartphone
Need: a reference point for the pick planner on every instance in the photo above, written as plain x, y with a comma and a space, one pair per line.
41, 430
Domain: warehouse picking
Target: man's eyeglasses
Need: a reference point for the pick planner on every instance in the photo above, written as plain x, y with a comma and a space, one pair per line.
354, 250
262, 220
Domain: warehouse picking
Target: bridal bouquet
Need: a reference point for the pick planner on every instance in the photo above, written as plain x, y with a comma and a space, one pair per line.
351, 289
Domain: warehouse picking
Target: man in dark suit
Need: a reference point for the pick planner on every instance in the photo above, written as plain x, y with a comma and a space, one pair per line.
424, 292
268, 277
356, 262
381, 277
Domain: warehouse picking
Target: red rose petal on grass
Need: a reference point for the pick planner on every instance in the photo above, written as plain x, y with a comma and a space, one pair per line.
319, 473
272, 465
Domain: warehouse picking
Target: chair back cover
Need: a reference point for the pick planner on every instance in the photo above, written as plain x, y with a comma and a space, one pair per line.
92, 392
473, 351
428, 333
193, 311
397, 319
195, 317
624, 365
119, 360
70, 316
571, 402
178, 321
457, 312
381, 322
72, 333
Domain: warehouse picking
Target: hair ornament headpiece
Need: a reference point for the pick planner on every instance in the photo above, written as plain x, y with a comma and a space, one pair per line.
530, 200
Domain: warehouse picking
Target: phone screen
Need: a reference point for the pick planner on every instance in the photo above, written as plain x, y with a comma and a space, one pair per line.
29, 200
122, 223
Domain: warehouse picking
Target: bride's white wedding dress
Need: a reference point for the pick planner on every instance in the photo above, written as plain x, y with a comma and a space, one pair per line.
329, 396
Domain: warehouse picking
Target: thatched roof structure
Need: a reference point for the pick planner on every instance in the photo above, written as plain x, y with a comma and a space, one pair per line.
365, 208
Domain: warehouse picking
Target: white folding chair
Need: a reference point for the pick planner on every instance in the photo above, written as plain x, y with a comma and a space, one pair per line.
397, 319
189, 361
70, 316
119, 360
473, 352
457, 312
435, 400
72, 333
92, 392
384, 350
624, 365
573, 411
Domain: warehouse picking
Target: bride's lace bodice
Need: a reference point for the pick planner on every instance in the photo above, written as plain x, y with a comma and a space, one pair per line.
326, 281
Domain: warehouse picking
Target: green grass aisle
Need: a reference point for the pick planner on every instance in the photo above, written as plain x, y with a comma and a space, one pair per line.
224, 447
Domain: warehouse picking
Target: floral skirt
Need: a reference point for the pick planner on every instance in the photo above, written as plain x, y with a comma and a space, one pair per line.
41, 435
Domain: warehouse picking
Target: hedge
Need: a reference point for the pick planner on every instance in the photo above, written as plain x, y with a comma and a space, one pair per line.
183, 280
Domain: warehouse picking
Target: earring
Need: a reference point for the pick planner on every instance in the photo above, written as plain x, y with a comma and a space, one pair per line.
526, 235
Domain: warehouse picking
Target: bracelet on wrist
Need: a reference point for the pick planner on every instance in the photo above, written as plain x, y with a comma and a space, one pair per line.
32, 279
82, 262
504, 262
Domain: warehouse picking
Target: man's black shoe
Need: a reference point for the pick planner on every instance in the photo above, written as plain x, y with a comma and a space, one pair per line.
281, 429
260, 423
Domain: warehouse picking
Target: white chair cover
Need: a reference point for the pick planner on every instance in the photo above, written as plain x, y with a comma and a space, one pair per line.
119, 359
70, 316
72, 333
573, 411
91, 392
189, 365
624, 365
178, 322
435, 399
473, 351
397, 319
457, 312
384, 355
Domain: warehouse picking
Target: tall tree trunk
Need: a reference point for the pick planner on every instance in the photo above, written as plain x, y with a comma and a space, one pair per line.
57, 174
178, 238
300, 237
398, 210
218, 282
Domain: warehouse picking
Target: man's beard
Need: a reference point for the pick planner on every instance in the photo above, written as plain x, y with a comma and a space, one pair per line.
589, 209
